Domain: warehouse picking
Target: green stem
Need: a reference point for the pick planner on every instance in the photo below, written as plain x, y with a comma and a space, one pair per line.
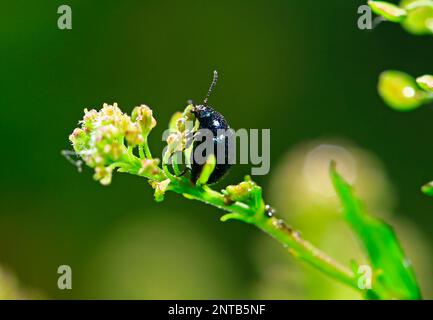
146, 149
167, 172
175, 164
141, 152
276, 228
305, 251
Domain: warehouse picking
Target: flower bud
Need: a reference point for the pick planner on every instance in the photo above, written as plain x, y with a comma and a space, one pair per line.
174, 143
89, 119
239, 192
149, 167
133, 135
419, 18
425, 82
180, 124
107, 133
187, 113
108, 145
400, 91
389, 11
79, 139
143, 116
428, 188
244, 191
160, 188
103, 175
110, 114
173, 120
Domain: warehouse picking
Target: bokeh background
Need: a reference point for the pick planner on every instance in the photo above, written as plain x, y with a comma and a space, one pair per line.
301, 68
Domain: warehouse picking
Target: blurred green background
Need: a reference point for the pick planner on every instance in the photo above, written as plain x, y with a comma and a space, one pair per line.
301, 68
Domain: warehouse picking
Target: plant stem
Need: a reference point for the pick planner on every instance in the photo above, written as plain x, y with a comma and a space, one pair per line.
141, 152
146, 149
305, 251
276, 228
175, 164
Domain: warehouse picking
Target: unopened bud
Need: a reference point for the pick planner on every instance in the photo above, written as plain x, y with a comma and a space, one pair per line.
103, 175
174, 142
89, 119
389, 11
419, 18
173, 120
243, 191
133, 135
149, 167
400, 91
426, 82
143, 116
79, 139
160, 188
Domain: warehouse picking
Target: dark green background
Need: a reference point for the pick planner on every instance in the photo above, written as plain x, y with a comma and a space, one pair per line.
301, 68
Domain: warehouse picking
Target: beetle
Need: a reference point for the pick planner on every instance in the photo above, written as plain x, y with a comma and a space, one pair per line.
210, 119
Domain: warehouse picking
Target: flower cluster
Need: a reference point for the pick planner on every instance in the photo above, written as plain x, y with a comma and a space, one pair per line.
182, 127
106, 138
247, 192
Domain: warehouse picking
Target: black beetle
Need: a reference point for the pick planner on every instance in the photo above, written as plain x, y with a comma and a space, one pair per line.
214, 121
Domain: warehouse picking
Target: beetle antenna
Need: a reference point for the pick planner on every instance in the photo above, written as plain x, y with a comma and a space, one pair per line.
212, 86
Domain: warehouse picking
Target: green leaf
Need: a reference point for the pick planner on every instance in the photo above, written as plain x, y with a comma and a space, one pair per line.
207, 170
393, 276
233, 216
389, 11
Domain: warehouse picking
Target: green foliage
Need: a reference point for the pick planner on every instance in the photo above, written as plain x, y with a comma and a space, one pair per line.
416, 16
393, 276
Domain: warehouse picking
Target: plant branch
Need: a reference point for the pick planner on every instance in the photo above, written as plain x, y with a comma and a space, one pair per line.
275, 227
106, 142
